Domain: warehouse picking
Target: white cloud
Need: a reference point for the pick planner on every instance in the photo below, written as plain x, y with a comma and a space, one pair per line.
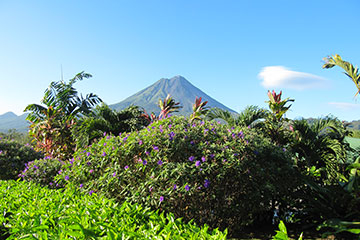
282, 77
345, 106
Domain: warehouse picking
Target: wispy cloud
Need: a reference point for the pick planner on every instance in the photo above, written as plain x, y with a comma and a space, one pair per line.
282, 77
345, 106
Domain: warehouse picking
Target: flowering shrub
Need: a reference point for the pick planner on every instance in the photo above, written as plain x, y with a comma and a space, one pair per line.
42, 171
13, 157
204, 171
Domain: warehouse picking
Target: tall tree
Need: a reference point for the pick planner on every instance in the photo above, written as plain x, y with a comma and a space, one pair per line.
53, 120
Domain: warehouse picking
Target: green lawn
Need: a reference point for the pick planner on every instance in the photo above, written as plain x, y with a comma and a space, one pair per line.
354, 142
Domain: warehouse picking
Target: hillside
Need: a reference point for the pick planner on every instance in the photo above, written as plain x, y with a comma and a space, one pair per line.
10, 120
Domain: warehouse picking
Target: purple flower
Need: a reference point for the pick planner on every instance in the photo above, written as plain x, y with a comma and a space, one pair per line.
150, 189
104, 154
147, 153
207, 183
114, 174
197, 163
144, 162
160, 162
104, 134
171, 136
66, 178
88, 154
169, 125
224, 160
191, 158
124, 139
50, 183
91, 170
126, 167
161, 198
175, 187
104, 144
156, 148
91, 192
36, 167
203, 159
60, 171
88, 163
81, 185
187, 188
284, 149
192, 143
140, 142
212, 155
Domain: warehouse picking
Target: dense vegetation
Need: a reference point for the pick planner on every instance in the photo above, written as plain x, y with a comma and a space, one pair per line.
252, 170
33, 212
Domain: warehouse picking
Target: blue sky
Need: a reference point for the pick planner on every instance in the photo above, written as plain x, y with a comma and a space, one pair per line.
233, 50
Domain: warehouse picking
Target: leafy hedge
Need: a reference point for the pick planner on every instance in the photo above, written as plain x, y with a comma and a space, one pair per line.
30, 211
13, 157
227, 178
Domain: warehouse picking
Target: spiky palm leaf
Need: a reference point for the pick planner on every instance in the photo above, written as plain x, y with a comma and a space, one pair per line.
350, 70
217, 113
251, 115
321, 144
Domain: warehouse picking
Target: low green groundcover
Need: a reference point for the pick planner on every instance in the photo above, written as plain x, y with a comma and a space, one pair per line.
29, 211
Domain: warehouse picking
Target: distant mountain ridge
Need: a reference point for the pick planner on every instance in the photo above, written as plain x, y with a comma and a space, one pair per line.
178, 87
10, 120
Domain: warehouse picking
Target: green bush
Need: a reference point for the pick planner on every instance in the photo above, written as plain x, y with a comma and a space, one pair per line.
32, 212
43, 171
227, 178
13, 157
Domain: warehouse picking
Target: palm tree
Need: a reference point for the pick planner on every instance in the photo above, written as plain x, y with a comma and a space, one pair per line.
321, 146
63, 97
52, 122
250, 116
106, 120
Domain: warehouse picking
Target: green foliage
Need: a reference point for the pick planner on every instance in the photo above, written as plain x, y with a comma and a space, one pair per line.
52, 124
250, 116
282, 234
199, 110
105, 120
29, 211
167, 106
227, 178
42, 171
277, 106
13, 157
12, 134
320, 146
350, 70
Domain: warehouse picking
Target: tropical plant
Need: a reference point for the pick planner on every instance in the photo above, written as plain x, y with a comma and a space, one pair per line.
276, 105
199, 109
106, 120
52, 122
29, 211
167, 106
320, 147
276, 125
282, 234
250, 116
350, 70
